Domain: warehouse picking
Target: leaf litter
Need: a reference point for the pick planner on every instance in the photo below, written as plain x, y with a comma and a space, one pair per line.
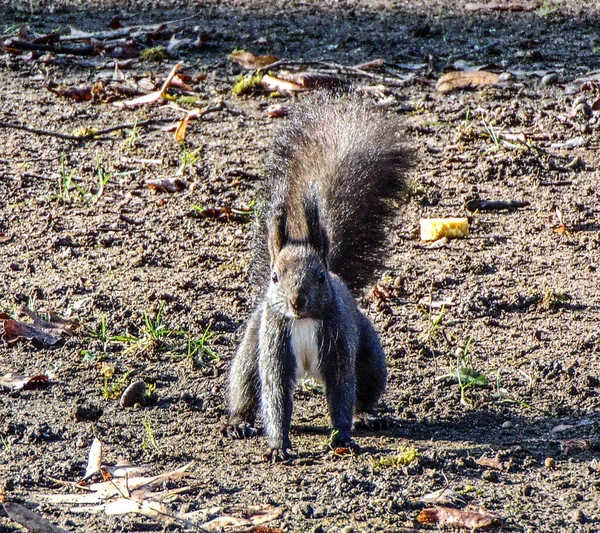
47, 331
123, 491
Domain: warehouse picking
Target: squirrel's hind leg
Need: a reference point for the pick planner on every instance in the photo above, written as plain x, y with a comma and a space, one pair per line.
371, 378
244, 384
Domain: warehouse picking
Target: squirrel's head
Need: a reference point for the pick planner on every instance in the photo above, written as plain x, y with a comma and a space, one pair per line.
300, 282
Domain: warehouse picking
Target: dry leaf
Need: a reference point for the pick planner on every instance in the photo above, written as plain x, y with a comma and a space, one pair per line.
274, 111
490, 462
271, 83
444, 496
83, 92
252, 515
30, 520
249, 61
371, 65
4, 238
560, 226
224, 214
47, 332
154, 96
471, 79
94, 458
167, 185
16, 381
446, 516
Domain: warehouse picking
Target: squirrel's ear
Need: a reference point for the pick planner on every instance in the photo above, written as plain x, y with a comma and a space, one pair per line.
278, 235
317, 235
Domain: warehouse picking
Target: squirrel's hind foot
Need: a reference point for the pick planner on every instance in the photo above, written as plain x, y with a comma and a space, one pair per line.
241, 430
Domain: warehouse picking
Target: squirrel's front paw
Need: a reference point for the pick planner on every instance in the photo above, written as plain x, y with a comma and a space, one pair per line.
242, 430
277, 455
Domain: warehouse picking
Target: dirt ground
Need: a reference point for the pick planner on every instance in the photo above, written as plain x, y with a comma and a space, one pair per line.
521, 292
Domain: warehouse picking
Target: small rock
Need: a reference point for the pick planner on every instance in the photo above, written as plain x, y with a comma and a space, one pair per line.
550, 79
550, 463
578, 516
582, 109
504, 77
508, 425
133, 394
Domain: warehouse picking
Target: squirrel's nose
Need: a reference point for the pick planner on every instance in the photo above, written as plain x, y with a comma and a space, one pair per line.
299, 302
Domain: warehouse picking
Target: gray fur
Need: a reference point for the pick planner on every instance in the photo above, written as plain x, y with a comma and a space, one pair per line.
333, 170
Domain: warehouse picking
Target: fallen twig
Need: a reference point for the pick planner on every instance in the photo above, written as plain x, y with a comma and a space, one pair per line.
339, 68
96, 135
78, 50
477, 204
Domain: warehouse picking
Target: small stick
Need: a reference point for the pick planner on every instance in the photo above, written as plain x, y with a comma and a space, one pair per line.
87, 136
19, 44
494, 205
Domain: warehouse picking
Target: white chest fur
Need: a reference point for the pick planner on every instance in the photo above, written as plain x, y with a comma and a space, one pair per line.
303, 335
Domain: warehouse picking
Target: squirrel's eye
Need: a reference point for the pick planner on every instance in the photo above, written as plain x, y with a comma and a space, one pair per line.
321, 276
274, 277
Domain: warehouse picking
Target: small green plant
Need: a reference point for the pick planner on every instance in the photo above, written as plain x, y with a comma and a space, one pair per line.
501, 394
435, 335
198, 351
112, 388
406, 455
131, 137
156, 53
103, 178
149, 439
65, 180
100, 332
553, 298
188, 158
248, 83
310, 384
547, 8
4, 443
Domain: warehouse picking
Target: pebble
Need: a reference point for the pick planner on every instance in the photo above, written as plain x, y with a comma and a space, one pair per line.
134, 394
508, 425
550, 79
550, 463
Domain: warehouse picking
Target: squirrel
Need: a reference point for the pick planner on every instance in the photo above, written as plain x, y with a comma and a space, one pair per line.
334, 169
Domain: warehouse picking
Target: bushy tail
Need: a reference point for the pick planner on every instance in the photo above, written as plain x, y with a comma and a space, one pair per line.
353, 158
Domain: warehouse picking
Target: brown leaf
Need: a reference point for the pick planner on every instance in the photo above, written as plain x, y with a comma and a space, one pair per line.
167, 185
47, 332
16, 381
224, 214
371, 65
4, 238
249, 61
446, 516
470, 79
30, 520
490, 462
560, 226
271, 83
182, 128
82, 92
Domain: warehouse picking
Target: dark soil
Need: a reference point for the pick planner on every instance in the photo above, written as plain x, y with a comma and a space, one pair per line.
527, 296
